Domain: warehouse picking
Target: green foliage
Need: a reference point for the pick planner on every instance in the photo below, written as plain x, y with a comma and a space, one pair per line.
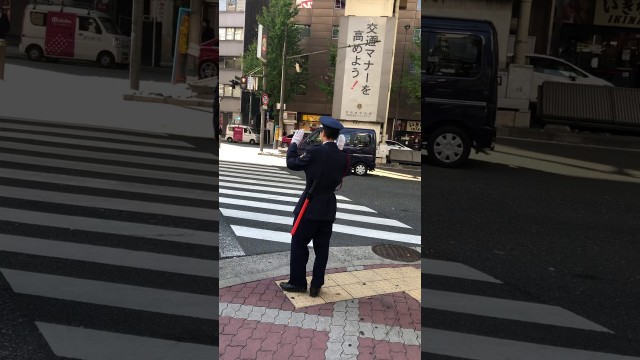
411, 81
276, 17
327, 82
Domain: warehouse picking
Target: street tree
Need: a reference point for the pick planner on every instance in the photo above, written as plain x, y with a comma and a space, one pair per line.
276, 17
412, 79
327, 81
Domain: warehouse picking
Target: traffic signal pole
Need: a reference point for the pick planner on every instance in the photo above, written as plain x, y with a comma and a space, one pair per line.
262, 110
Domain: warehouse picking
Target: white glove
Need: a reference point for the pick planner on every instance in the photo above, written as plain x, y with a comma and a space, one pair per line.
297, 136
341, 142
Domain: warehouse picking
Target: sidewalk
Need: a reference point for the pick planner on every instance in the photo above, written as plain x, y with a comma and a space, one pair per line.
369, 308
561, 134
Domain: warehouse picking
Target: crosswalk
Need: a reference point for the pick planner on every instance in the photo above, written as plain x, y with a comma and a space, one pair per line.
467, 314
109, 240
258, 200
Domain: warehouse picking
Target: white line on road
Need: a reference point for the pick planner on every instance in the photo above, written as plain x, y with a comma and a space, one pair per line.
270, 189
506, 309
255, 168
263, 182
110, 227
352, 230
339, 215
110, 203
254, 175
109, 256
289, 199
478, 347
89, 344
262, 234
109, 184
112, 294
108, 169
452, 269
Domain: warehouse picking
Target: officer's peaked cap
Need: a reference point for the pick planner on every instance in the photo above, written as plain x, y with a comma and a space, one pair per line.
328, 121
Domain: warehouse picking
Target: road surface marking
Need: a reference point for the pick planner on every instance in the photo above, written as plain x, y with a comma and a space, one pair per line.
270, 189
253, 175
112, 294
81, 343
263, 234
109, 256
289, 199
263, 182
452, 269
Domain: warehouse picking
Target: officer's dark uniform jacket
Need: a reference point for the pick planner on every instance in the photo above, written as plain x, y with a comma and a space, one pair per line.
327, 164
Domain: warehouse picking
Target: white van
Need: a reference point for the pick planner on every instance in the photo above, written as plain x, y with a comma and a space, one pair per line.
56, 31
243, 134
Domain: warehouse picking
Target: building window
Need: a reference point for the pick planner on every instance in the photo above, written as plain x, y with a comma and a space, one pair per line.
403, 4
305, 30
417, 35
340, 4
419, 5
231, 33
335, 31
230, 63
301, 89
231, 5
454, 55
228, 91
237, 92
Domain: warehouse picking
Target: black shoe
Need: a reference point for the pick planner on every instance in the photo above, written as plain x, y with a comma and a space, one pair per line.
292, 288
313, 292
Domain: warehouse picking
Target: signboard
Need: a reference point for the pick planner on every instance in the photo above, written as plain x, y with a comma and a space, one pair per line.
365, 68
304, 4
414, 126
60, 34
262, 43
250, 83
623, 13
265, 99
237, 134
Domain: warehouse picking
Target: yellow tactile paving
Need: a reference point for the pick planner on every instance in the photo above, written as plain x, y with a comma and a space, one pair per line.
359, 284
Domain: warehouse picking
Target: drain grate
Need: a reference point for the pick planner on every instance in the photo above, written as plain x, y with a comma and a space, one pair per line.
396, 252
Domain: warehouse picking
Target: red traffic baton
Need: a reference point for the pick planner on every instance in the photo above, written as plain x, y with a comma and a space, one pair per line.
304, 207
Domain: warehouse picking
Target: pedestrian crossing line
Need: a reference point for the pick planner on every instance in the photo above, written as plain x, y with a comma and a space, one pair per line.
109, 203
246, 165
112, 294
270, 189
157, 232
105, 145
108, 169
101, 184
254, 170
151, 139
280, 178
506, 309
263, 234
82, 343
109, 256
468, 346
290, 199
263, 182
339, 215
453, 269
91, 154
338, 228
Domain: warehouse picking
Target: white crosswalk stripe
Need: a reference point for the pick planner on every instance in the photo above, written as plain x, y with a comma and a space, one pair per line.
475, 341
116, 230
258, 205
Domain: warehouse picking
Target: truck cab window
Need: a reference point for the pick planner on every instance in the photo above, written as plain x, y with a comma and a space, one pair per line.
454, 55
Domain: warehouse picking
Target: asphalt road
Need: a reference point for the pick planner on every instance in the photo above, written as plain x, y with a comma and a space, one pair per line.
556, 223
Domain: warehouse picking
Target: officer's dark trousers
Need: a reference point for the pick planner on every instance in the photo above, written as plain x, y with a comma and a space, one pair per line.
320, 232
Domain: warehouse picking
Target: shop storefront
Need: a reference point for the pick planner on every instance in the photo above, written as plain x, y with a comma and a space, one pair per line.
603, 38
408, 133
309, 122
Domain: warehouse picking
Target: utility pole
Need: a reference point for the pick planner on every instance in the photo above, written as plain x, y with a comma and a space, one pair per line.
522, 36
393, 130
136, 44
262, 110
280, 113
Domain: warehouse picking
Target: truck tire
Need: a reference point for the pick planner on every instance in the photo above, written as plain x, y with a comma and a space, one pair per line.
34, 53
448, 147
106, 59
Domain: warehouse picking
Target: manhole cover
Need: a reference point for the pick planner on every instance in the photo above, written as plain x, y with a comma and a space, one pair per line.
396, 252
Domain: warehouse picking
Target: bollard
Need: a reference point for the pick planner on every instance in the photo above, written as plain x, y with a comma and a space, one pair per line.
3, 47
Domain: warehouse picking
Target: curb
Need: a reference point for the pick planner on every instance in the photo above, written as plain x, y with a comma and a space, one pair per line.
568, 137
169, 100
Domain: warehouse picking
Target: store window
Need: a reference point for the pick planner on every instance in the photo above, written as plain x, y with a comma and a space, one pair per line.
231, 33
335, 31
454, 55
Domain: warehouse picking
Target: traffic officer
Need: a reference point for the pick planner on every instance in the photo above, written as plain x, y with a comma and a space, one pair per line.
327, 165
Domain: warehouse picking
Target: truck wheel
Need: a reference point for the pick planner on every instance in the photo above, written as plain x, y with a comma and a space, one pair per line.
449, 147
252, 141
35, 53
229, 140
106, 59
360, 169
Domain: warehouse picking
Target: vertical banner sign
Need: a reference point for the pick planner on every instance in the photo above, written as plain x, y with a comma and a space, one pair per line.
364, 69
60, 34
263, 35
179, 73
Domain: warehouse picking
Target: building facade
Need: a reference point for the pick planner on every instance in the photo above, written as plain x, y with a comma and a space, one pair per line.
232, 38
321, 26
